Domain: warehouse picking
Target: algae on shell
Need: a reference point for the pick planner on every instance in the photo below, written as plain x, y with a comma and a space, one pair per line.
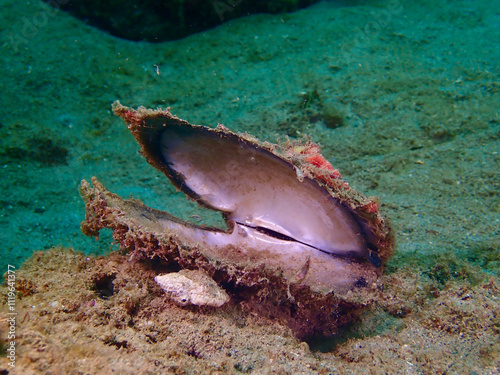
275, 256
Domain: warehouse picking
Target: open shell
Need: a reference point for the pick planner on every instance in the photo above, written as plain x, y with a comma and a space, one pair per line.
297, 233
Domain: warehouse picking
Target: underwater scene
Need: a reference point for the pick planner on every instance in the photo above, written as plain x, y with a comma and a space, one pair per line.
236, 187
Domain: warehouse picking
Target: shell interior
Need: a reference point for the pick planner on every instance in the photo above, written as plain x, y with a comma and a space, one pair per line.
281, 210
258, 190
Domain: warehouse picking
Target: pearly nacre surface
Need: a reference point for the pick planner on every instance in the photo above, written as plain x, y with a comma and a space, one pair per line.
258, 190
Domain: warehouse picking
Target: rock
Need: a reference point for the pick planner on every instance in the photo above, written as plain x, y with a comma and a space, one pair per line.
192, 287
157, 21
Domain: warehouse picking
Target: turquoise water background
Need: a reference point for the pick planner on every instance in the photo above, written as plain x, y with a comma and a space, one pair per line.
402, 95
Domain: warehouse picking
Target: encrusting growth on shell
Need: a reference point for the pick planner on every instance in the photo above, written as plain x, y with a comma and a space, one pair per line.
301, 246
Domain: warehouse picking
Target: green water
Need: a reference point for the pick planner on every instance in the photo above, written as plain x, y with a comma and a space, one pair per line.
403, 97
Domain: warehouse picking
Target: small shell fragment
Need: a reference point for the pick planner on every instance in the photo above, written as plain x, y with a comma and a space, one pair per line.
192, 287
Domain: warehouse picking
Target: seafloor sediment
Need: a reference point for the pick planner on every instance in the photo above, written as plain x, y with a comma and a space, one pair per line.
403, 97
85, 315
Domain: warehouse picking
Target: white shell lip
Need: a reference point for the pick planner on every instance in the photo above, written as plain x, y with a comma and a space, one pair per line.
256, 189
304, 220
300, 263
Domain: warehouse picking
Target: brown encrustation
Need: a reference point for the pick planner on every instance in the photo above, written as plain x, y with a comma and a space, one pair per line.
255, 287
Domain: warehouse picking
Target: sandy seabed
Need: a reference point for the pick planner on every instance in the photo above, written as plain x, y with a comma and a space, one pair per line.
82, 315
404, 99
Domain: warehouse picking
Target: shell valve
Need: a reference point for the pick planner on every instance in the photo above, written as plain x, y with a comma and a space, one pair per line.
293, 223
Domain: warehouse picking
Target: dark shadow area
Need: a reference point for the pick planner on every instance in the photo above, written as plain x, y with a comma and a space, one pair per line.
372, 323
158, 21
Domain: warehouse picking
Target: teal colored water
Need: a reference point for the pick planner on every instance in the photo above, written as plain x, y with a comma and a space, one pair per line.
403, 96
412, 90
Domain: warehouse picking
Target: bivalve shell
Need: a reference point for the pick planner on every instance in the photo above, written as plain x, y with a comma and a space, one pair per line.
301, 245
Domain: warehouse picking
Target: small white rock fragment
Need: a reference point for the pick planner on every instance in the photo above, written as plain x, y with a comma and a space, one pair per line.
192, 287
